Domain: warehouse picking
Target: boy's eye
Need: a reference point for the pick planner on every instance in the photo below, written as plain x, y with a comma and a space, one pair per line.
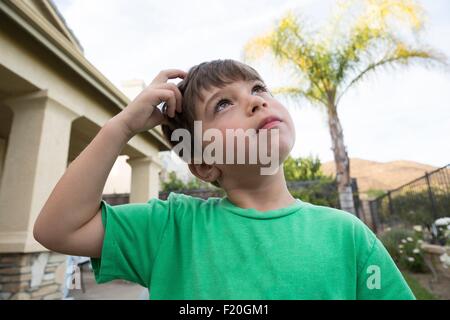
222, 102
260, 87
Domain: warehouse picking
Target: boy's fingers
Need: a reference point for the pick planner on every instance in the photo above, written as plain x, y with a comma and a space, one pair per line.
165, 75
169, 97
157, 117
178, 95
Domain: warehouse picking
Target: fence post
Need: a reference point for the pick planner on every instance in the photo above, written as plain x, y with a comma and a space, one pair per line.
430, 195
391, 208
355, 194
374, 215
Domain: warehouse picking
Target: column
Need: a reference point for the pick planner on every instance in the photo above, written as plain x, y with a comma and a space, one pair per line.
36, 158
144, 178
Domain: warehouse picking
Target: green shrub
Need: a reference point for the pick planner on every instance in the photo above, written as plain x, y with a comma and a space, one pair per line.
322, 192
392, 238
404, 246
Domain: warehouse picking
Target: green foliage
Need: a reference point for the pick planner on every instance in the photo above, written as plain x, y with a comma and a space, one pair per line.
375, 193
322, 192
392, 238
302, 169
322, 189
404, 246
195, 183
414, 208
174, 183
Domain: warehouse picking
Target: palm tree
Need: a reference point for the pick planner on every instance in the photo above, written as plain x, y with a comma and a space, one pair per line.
329, 62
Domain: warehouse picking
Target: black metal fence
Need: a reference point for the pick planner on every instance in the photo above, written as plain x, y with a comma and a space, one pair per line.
419, 202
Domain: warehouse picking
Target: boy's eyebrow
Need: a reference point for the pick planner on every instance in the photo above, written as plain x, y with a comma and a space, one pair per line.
213, 97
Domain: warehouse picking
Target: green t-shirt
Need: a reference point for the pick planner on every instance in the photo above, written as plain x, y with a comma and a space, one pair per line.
189, 248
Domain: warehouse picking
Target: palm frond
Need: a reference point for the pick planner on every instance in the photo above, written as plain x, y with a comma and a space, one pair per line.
296, 94
400, 56
369, 44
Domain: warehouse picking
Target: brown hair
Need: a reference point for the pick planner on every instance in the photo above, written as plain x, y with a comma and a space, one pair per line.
217, 74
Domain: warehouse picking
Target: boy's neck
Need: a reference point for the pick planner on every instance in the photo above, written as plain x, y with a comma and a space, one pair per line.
264, 193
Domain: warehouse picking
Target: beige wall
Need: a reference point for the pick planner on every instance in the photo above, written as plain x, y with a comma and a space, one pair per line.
57, 108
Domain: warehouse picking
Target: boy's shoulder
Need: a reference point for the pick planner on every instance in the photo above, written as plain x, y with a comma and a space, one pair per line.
338, 219
325, 212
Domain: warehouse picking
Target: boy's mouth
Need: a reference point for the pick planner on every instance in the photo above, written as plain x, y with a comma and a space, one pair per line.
268, 123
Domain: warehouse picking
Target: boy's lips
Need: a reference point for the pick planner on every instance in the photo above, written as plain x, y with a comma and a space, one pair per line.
268, 123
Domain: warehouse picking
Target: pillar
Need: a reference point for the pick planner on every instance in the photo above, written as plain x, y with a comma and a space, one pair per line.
144, 178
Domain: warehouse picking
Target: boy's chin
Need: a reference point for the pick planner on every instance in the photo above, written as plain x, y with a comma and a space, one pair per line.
267, 165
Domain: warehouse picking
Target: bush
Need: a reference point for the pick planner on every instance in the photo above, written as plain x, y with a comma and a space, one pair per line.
392, 238
413, 208
322, 193
404, 246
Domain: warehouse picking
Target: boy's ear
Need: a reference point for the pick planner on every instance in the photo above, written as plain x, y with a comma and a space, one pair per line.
205, 172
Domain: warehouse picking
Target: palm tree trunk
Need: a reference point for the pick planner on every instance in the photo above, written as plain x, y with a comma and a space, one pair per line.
341, 160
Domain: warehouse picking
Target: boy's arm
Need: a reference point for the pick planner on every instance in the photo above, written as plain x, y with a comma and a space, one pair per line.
380, 278
70, 222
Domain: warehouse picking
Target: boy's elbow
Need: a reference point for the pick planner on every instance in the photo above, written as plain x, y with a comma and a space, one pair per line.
38, 235
41, 235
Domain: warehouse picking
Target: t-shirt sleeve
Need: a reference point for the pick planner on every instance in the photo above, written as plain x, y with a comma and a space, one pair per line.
378, 277
132, 236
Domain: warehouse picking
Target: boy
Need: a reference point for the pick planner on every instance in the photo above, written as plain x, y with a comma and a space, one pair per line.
258, 242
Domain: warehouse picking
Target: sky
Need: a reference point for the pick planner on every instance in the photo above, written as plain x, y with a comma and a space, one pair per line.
402, 115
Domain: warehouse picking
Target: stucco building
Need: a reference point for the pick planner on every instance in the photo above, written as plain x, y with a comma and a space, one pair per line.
52, 104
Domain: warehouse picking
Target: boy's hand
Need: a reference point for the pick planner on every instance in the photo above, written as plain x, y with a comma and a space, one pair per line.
142, 113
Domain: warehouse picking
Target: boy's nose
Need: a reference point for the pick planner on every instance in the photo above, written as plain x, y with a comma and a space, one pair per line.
255, 104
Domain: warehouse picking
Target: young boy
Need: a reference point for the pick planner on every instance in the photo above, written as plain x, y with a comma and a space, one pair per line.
258, 242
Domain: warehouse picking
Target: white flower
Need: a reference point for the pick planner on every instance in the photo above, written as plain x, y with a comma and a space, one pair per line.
445, 259
401, 251
442, 221
410, 259
418, 228
400, 246
403, 240
388, 229
410, 239
419, 241
416, 251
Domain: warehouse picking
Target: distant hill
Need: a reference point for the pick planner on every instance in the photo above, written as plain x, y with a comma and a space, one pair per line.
381, 175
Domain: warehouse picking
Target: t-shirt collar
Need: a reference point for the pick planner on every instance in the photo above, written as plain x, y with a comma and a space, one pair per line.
256, 214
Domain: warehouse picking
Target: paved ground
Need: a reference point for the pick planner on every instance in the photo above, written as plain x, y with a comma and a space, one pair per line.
113, 290
440, 288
